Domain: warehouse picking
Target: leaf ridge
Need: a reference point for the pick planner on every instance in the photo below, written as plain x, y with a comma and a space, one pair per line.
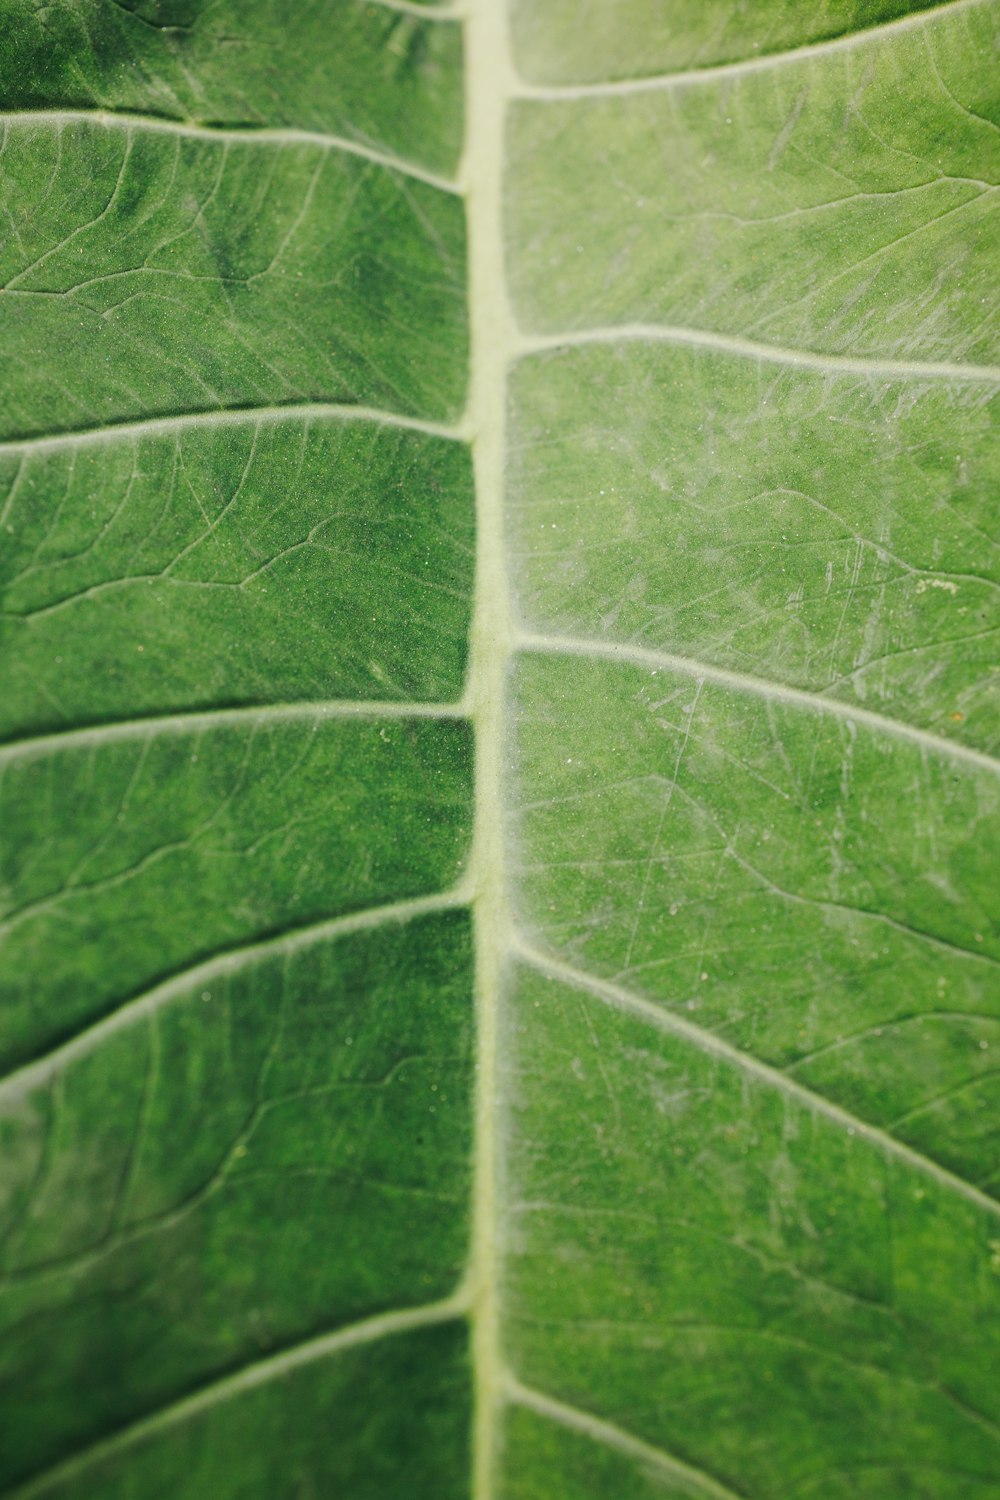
751, 1332
762, 687
197, 721
267, 135
428, 12
704, 338
30, 1075
319, 1346
489, 79
706, 1041
760, 64
292, 411
609, 1435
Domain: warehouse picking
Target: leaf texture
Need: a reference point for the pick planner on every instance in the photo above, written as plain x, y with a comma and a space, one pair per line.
498, 646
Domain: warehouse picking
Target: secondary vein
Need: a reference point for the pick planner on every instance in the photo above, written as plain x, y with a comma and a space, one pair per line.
707, 1041
611, 1436
223, 417
257, 135
199, 721
383, 1325
762, 687
871, 366
722, 72
40, 1070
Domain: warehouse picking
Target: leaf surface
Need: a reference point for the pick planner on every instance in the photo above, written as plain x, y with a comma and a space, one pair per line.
499, 986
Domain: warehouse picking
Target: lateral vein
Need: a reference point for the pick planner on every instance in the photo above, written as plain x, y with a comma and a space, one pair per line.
428, 12
257, 416
258, 135
199, 721
383, 1325
40, 1070
611, 1436
720, 72
758, 686
703, 338
706, 1041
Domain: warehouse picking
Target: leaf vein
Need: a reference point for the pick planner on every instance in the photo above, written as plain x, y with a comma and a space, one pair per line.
39, 1071
722, 72
611, 1436
260, 1372
707, 1041
762, 687
179, 422
702, 338
265, 135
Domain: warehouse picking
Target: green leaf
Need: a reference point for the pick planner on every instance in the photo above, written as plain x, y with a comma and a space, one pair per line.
498, 651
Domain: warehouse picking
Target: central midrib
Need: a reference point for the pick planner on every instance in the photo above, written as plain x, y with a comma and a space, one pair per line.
488, 73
